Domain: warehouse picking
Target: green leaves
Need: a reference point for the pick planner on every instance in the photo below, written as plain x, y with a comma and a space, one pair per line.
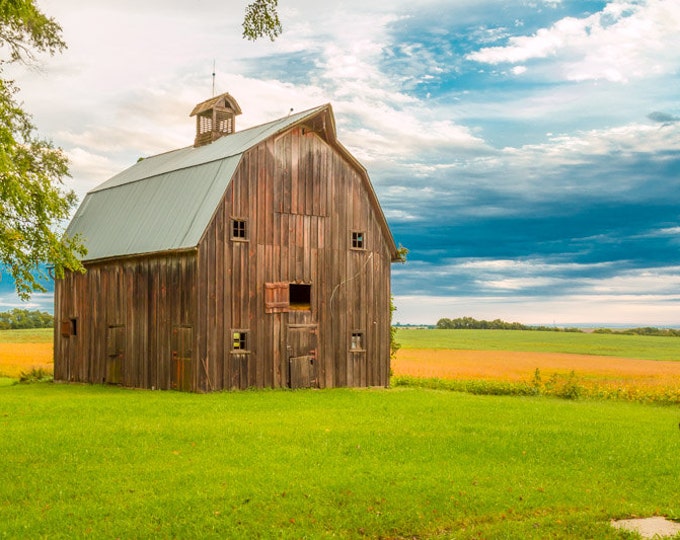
262, 19
23, 28
33, 202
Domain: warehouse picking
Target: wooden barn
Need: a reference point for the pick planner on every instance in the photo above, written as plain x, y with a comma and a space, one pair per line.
254, 258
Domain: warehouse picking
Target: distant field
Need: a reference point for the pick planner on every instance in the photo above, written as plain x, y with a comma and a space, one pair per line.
22, 350
642, 347
634, 368
31, 335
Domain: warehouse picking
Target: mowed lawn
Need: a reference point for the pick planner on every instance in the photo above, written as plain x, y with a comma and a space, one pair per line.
106, 462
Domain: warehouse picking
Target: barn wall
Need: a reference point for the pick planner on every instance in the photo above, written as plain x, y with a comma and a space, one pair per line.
134, 323
301, 200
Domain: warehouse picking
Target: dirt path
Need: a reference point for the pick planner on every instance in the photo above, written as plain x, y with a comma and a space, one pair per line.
511, 365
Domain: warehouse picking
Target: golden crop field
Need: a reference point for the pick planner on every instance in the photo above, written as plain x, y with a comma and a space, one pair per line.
20, 357
521, 366
23, 350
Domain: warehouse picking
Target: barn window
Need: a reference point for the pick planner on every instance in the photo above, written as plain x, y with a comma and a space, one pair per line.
69, 327
238, 229
300, 296
239, 340
357, 343
358, 238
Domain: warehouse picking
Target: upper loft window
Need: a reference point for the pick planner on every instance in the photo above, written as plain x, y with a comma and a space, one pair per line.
299, 296
358, 240
238, 229
284, 296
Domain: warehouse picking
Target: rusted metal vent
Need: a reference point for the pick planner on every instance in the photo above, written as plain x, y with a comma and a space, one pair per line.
215, 117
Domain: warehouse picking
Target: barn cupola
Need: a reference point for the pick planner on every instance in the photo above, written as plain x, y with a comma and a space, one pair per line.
215, 117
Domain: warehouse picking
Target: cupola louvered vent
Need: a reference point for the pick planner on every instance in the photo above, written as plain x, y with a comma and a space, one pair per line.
215, 118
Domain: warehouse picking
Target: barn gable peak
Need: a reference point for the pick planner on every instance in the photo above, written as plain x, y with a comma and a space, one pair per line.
215, 117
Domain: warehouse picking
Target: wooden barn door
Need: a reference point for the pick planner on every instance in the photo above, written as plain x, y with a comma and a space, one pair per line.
239, 371
115, 354
302, 346
182, 346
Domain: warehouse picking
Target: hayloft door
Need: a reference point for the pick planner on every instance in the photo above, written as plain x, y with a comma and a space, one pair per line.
301, 340
182, 343
115, 349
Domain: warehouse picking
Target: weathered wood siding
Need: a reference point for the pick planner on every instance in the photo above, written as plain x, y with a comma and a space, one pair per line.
301, 201
171, 320
126, 313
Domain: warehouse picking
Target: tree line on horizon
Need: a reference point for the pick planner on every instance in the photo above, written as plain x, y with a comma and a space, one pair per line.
470, 323
20, 319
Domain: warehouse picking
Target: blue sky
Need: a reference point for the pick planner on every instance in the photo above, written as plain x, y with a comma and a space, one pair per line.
526, 153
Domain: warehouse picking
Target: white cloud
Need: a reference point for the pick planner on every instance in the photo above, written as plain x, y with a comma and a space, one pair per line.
528, 167
645, 282
89, 169
519, 283
540, 277
668, 231
39, 301
122, 100
624, 41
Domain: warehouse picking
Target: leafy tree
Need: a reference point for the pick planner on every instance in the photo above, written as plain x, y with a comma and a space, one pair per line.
262, 19
23, 318
33, 201
467, 323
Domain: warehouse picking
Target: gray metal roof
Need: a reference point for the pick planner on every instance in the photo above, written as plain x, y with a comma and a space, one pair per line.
166, 202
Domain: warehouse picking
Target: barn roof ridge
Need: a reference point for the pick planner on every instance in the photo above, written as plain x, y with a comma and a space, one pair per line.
236, 143
156, 205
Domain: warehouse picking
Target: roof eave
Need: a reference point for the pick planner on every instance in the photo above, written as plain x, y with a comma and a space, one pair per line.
129, 256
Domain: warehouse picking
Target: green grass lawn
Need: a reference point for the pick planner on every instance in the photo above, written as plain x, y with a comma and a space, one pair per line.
627, 346
105, 462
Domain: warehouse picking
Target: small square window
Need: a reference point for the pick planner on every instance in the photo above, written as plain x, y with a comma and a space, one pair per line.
239, 340
69, 327
357, 343
238, 229
358, 240
300, 296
